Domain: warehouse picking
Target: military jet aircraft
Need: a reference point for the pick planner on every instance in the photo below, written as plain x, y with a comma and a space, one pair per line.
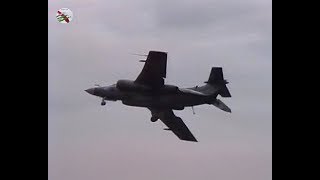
150, 91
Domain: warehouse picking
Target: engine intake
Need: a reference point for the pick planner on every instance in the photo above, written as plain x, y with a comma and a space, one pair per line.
128, 85
168, 89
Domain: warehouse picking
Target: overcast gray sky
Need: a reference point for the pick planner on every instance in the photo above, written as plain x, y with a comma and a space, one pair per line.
117, 142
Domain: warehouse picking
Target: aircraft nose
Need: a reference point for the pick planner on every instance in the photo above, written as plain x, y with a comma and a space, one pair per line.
90, 91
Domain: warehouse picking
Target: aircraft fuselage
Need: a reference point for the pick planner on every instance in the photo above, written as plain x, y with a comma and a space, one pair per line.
163, 99
175, 101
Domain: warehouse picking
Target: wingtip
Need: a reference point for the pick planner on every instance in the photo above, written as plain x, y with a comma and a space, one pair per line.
190, 140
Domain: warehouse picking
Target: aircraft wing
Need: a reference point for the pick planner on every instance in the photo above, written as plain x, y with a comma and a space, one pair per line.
154, 70
174, 123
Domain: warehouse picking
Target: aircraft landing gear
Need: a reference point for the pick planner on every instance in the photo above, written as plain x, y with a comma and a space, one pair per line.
103, 102
153, 119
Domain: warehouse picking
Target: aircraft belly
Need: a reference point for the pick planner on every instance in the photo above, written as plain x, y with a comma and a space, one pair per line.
164, 101
190, 100
138, 100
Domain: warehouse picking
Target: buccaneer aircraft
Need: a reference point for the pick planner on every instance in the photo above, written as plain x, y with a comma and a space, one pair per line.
150, 91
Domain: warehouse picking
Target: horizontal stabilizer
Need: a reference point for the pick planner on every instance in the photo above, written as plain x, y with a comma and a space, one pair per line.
224, 92
216, 79
219, 104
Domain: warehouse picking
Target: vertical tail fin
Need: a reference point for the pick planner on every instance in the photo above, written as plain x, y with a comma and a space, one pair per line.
216, 79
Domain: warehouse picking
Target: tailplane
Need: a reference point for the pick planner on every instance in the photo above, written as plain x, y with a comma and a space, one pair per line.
219, 104
216, 85
216, 80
